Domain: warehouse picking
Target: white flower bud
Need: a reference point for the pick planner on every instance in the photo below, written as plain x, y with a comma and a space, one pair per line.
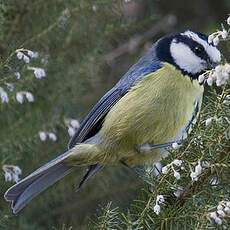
26, 59
177, 162
228, 204
216, 41
32, 54
218, 69
198, 169
20, 97
12, 173
43, 136
213, 215
4, 95
224, 34
164, 170
201, 78
160, 199
18, 75
221, 213
71, 131
208, 121
29, 97
227, 210
74, 123
218, 220
52, 136
175, 145
39, 73
176, 175
193, 176
8, 176
220, 207
20, 55
157, 209
210, 38
228, 20
210, 81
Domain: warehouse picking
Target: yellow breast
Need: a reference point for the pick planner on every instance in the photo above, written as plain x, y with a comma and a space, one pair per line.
154, 111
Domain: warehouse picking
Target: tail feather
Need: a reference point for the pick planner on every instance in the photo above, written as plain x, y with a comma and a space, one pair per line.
39, 185
28, 188
23, 192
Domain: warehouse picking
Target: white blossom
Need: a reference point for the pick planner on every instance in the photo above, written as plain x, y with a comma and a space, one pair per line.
52, 136
39, 73
177, 162
94, 8
157, 209
20, 55
4, 95
176, 175
193, 176
71, 131
42, 135
227, 210
210, 81
175, 145
216, 41
74, 123
12, 173
198, 169
228, 20
208, 121
165, 170
222, 212
224, 33
18, 75
210, 38
201, 78
26, 59
20, 97
218, 220
29, 96
32, 54
160, 199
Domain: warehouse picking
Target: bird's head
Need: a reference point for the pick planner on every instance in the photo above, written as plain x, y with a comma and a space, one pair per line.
188, 51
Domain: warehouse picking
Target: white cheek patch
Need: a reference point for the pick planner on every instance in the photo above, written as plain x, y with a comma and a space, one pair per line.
212, 51
185, 58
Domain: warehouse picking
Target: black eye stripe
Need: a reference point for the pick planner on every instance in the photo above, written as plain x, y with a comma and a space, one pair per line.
192, 45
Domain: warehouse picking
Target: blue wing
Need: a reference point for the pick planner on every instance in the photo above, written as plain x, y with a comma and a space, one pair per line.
94, 120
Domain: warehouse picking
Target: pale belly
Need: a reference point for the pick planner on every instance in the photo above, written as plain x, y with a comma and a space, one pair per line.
153, 112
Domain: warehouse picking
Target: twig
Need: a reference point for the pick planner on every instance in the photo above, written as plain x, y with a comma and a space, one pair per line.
163, 25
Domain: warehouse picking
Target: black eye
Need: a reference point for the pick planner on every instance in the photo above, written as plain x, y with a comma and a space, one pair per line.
199, 49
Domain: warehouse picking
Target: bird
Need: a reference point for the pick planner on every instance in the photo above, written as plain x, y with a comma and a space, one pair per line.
154, 104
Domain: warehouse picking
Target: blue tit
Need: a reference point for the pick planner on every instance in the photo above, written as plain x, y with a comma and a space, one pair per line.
155, 102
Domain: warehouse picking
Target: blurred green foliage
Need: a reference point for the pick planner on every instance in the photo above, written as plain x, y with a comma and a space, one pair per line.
74, 36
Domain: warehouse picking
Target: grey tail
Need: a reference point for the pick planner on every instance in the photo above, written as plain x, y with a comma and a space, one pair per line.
23, 192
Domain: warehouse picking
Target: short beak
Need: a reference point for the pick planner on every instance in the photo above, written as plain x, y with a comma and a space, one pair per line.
212, 65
